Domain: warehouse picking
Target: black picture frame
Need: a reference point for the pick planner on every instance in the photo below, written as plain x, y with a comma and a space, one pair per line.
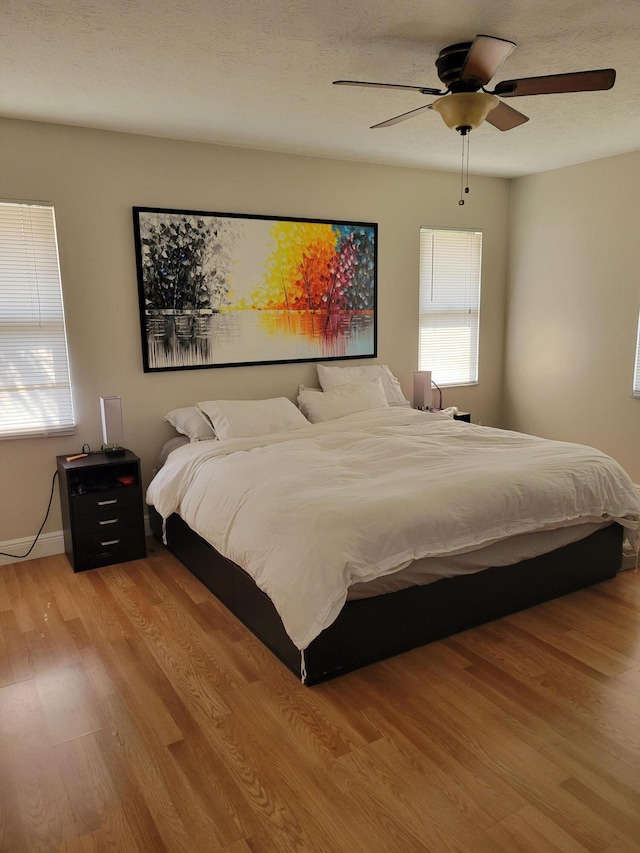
231, 289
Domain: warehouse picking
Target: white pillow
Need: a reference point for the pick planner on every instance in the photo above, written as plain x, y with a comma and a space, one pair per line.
333, 377
345, 400
248, 418
190, 422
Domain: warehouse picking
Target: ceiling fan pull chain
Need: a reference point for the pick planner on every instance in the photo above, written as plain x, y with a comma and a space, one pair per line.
464, 169
461, 202
466, 189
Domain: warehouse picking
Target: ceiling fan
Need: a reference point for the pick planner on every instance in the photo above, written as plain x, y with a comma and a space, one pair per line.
466, 68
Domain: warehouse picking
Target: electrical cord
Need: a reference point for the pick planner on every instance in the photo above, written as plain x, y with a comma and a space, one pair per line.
440, 393
22, 556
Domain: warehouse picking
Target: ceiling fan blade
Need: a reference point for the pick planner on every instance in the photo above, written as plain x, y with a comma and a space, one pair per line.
552, 84
401, 117
486, 55
425, 90
505, 117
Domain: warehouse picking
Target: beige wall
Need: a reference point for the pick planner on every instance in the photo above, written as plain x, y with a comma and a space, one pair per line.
94, 179
574, 295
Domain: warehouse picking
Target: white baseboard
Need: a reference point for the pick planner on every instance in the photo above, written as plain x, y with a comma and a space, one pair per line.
47, 545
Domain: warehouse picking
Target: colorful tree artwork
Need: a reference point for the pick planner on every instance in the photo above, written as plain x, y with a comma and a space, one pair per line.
218, 290
318, 267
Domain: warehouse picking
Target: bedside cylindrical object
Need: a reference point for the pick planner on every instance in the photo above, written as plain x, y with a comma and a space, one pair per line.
422, 389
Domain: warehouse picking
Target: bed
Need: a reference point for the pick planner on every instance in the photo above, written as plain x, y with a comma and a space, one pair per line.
354, 538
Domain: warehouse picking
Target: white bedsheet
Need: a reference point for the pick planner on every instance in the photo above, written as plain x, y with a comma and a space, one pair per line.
506, 552
309, 512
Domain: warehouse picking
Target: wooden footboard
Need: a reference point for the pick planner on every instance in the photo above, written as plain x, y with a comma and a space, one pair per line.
373, 629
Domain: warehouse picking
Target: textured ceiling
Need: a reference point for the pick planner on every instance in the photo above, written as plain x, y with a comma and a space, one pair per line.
258, 74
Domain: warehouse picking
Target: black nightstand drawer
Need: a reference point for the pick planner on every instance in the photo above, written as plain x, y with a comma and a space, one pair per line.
108, 551
123, 525
119, 498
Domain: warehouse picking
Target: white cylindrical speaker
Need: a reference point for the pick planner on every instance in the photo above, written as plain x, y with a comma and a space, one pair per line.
422, 390
112, 431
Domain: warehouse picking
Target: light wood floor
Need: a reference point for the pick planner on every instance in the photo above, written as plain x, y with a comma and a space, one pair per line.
136, 714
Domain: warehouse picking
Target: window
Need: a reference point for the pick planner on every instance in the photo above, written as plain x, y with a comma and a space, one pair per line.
636, 372
450, 263
35, 388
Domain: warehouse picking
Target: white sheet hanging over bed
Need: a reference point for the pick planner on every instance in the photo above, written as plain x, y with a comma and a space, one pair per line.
309, 512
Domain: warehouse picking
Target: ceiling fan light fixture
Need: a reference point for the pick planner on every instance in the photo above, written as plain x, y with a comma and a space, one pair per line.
464, 111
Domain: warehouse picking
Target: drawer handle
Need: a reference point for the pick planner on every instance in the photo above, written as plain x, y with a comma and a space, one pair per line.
107, 503
109, 521
110, 542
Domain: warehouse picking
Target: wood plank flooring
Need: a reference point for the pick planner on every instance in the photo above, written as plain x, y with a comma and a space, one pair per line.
137, 714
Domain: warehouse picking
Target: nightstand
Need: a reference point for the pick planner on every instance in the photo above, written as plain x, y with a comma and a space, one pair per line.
102, 509
463, 416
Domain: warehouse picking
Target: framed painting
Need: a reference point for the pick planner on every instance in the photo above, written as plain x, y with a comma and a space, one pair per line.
226, 289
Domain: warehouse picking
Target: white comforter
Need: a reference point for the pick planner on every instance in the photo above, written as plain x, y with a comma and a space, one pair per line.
308, 512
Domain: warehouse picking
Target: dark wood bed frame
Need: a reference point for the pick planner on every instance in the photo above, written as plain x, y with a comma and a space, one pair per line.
373, 629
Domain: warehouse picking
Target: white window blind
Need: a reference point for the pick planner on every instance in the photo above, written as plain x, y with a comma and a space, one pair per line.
450, 266
35, 387
636, 372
